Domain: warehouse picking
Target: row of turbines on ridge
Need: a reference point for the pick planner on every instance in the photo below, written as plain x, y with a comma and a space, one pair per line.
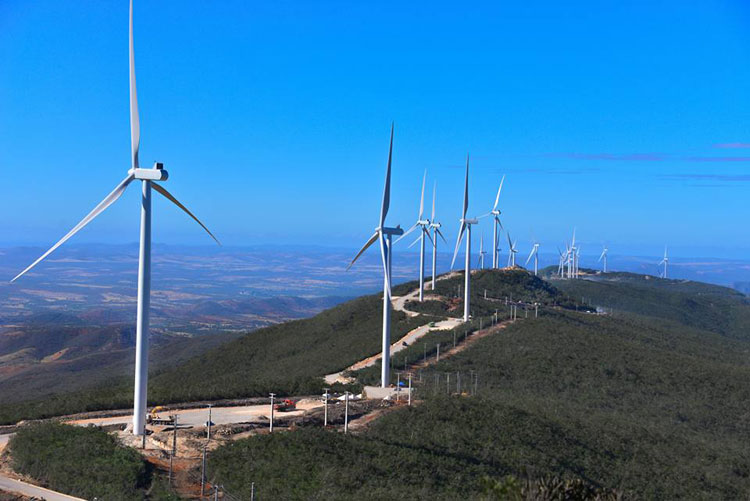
151, 178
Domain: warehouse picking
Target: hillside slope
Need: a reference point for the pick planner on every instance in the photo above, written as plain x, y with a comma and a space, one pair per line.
654, 406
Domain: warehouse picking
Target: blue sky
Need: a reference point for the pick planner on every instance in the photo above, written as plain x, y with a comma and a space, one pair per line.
628, 120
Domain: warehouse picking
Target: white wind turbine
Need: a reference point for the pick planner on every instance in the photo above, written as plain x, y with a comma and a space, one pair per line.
482, 253
578, 260
435, 226
424, 225
603, 259
535, 254
384, 234
465, 226
561, 263
664, 261
511, 252
497, 226
148, 178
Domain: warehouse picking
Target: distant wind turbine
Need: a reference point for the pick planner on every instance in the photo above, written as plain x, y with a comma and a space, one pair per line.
384, 234
511, 252
664, 261
603, 259
482, 253
535, 254
424, 225
561, 263
465, 226
148, 178
435, 232
497, 226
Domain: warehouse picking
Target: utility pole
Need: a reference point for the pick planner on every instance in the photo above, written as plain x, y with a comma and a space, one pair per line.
203, 471
174, 436
536, 310
208, 433
252, 491
448, 383
398, 386
216, 493
410, 389
346, 412
325, 409
454, 339
437, 358
270, 422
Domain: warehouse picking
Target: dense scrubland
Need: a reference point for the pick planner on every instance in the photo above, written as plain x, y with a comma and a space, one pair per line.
648, 403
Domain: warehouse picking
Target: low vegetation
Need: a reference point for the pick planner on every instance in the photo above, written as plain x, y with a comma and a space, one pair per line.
83, 462
598, 406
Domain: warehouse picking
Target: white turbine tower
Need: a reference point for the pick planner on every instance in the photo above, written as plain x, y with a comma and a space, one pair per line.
603, 259
511, 252
435, 226
664, 261
465, 226
384, 234
535, 254
497, 226
482, 253
148, 178
424, 225
578, 260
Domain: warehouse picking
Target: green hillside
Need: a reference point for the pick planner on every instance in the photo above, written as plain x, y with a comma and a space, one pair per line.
287, 358
648, 403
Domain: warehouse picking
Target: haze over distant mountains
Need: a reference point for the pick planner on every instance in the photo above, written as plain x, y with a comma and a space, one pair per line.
194, 283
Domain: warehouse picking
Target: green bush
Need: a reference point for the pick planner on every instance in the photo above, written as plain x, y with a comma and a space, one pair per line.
84, 462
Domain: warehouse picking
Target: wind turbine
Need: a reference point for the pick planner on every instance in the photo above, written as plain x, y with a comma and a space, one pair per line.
511, 252
423, 224
665, 262
603, 258
435, 226
496, 226
384, 234
465, 225
535, 254
561, 263
148, 178
578, 260
482, 253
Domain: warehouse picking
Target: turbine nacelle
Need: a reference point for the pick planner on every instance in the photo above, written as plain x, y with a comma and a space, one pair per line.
398, 230
157, 173
469, 221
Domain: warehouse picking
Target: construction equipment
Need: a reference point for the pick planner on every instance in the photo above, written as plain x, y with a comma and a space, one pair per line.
154, 418
285, 405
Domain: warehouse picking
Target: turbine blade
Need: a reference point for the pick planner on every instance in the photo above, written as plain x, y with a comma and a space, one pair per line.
510, 244
530, 256
160, 189
421, 198
364, 248
385, 264
414, 242
484, 215
414, 227
434, 192
499, 222
466, 189
458, 243
441, 235
387, 188
497, 198
108, 200
135, 124
426, 232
